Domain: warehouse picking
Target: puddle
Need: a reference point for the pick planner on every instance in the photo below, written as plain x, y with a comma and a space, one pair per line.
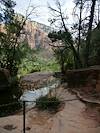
32, 96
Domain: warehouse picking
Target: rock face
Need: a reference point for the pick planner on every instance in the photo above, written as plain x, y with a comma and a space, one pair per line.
36, 34
89, 78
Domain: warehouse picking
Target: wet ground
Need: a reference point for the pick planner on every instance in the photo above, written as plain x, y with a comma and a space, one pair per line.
73, 117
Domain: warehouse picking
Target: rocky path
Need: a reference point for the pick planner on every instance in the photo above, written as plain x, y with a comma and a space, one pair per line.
73, 117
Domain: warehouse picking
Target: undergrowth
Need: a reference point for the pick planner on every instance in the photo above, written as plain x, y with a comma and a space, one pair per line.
48, 103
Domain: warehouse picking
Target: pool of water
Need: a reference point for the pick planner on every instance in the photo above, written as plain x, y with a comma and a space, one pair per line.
6, 97
32, 96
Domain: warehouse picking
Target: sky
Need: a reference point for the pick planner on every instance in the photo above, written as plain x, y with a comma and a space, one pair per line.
43, 13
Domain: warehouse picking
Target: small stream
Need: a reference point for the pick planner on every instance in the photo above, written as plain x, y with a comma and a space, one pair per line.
32, 96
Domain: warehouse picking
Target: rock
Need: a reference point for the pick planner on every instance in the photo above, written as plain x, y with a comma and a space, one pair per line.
87, 77
36, 80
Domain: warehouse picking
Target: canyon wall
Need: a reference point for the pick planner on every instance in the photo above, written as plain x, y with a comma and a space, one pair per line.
36, 34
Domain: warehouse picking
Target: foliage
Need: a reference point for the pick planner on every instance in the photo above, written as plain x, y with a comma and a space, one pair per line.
81, 30
62, 50
12, 25
9, 47
37, 60
46, 61
59, 15
94, 56
61, 35
88, 37
45, 103
64, 58
85, 25
27, 59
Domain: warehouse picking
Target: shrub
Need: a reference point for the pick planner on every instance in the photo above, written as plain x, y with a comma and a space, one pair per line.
48, 103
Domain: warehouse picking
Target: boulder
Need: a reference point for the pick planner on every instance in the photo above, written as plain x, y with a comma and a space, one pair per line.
36, 80
83, 77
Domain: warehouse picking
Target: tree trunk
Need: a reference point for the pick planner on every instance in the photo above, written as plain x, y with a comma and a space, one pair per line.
72, 47
88, 38
80, 21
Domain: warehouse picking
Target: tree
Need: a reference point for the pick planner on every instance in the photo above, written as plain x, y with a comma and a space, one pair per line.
89, 20
78, 26
61, 49
94, 58
88, 38
59, 15
12, 25
87, 24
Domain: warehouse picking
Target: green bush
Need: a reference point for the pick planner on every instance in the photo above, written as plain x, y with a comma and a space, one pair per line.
46, 103
36, 61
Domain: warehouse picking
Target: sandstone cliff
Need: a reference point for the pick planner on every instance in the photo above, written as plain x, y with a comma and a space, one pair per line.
36, 34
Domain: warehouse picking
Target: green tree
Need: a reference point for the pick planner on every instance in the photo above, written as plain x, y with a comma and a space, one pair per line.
78, 26
59, 16
13, 25
88, 38
94, 58
87, 24
61, 48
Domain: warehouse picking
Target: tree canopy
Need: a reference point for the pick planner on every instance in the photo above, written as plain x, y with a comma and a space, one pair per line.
79, 39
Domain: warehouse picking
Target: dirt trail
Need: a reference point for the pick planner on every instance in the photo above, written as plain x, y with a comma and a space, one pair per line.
73, 117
